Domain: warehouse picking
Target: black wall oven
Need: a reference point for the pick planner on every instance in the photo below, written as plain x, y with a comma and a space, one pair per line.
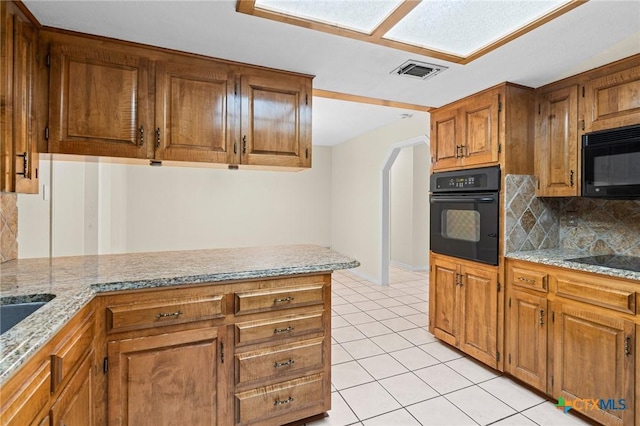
464, 214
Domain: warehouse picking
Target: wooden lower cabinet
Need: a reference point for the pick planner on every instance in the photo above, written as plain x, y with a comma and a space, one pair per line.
464, 306
165, 379
592, 359
527, 338
578, 342
75, 405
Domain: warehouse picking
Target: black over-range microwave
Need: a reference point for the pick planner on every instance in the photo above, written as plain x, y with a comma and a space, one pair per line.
611, 163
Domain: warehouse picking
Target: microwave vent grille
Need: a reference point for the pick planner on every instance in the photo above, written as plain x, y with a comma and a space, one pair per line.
622, 134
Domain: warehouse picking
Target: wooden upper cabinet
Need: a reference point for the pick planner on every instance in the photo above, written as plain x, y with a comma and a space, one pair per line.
18, 151
98, 102
445, 148
194, 111
275, 120
557, 143
480, 129
613, 100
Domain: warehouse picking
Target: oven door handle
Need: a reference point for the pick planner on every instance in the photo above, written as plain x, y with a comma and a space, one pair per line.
445, 199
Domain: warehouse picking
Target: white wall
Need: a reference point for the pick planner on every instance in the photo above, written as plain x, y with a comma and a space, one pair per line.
111, 206
356, 191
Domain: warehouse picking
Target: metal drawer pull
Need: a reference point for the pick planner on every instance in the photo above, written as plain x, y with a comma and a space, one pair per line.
284, 401
282, 330
282, 364
627, 345
541, 316
284, 299
526, 280
168, 314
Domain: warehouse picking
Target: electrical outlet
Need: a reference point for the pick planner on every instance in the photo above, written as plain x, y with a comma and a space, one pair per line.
572, 219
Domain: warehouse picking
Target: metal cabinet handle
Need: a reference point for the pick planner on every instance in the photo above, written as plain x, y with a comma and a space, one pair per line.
284, 299
526, 280
571, 177
158, 137
168, 314
25, 164
627, 346
284, 401
282, 330
458, 151
283, 364
141, 135
541, 316
244, 144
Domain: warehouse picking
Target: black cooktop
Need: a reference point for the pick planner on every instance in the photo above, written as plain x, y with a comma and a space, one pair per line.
629, 263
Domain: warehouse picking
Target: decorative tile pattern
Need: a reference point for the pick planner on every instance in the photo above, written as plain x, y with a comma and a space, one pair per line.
530, 223
8, 226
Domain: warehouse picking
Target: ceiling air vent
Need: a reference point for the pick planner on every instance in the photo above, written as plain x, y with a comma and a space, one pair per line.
420, 70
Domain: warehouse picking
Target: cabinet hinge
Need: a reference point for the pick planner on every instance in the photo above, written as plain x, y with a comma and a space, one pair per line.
221, 353
583, 91
553, 317
499, 148
499, 287
499, 106
105, 365
235, 89
306, 99
497, 356
48, 59
509, 302
509, 358
46, 133
552, 380
538, 109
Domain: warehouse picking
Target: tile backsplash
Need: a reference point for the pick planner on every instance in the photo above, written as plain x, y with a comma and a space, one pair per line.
584, 224
8, 226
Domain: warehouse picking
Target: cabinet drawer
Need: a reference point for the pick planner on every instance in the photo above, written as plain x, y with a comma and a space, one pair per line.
27, 403
136, 316
275, 361
277, 298
595, 293
280, 399
67, 356
526, 278
278, 328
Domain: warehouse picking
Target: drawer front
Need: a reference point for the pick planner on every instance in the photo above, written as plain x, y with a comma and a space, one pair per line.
592, 292
25, 405
66, 358
278, 328
136, 316
526, 278
277, 298
275, 361
280, 399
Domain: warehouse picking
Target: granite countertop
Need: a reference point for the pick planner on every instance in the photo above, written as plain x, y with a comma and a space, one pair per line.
76, 280
560, 257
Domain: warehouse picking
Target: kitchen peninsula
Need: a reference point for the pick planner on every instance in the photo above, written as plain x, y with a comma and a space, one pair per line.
233, 329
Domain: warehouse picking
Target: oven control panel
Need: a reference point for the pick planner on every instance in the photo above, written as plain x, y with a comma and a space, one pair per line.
466, 180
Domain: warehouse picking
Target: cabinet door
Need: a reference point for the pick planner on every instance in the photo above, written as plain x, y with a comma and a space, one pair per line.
557, 143
194, 105
98, 102
613, 100
593, 360
527, 342
22, 403
480, 129
276, 120
25, 152
443, 299
479, 314
445, 139
164, 379
75, 405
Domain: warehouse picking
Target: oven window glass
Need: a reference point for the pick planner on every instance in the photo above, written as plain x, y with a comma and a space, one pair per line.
461, 225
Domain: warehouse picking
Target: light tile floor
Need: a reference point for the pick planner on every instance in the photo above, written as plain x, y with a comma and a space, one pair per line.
387, 369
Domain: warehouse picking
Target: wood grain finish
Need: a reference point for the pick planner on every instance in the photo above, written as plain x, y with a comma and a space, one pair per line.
75, 405
596, 292
527, 339
444, 134
443, 299
71, 351
277, 298
557, 143
261, 404
480, 129
136, 316
279, 360
22, 406
587, 341
170, 376
278, 328
528, 278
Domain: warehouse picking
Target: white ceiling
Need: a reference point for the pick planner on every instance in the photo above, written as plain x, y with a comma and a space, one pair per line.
593, 34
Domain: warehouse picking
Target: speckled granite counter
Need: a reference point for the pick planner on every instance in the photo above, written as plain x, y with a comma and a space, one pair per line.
559, 257
76, 280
